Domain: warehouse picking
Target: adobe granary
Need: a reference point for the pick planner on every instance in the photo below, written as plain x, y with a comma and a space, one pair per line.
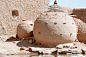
54, 27
13, 12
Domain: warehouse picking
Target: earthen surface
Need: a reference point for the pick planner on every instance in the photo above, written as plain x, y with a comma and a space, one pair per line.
25, 29
14, 11
54, 28
80, 14
81, 36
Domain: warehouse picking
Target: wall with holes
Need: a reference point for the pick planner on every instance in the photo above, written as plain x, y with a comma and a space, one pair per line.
55, 28
12, 12
80, 13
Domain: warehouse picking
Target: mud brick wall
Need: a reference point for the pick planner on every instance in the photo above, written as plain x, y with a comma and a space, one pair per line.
80, 14
12, 12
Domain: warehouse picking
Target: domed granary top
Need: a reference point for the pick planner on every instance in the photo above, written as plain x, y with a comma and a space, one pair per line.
55, 8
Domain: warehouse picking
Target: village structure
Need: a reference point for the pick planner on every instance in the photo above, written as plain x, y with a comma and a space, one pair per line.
14, 12
41, 28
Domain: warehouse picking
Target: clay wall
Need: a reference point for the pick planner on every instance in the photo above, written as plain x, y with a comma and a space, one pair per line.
12, 12
80, 14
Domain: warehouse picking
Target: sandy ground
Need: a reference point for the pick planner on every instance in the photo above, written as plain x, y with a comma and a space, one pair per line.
8, 45
11, 46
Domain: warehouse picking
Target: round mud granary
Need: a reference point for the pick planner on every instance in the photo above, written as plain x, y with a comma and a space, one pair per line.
81, 36
25, 29
54, 28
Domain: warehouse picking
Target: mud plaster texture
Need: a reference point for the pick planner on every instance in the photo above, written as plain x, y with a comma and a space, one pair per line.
80, 20
54, 27
10, 46
25, 29
81, 36
12, 12
80, 14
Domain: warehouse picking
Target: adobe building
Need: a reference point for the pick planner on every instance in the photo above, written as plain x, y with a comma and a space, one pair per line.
80, 19
12, 12
80, 14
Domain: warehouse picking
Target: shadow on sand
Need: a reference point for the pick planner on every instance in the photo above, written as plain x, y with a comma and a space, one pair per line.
24, 43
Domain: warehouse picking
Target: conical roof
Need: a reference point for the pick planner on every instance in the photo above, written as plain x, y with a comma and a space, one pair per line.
55, 2
55, 8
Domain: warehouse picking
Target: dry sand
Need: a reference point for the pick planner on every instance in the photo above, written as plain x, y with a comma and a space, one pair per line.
12, 46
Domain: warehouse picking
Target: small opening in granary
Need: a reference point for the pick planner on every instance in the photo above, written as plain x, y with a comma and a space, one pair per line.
55, 23
3, 28
40, 43
72, 23
46, 23
15, 13
70, 34
39, 32
46, 14
31, 24
71, 14
64, 23
38, 21
23, 20
55, 14
60, 34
